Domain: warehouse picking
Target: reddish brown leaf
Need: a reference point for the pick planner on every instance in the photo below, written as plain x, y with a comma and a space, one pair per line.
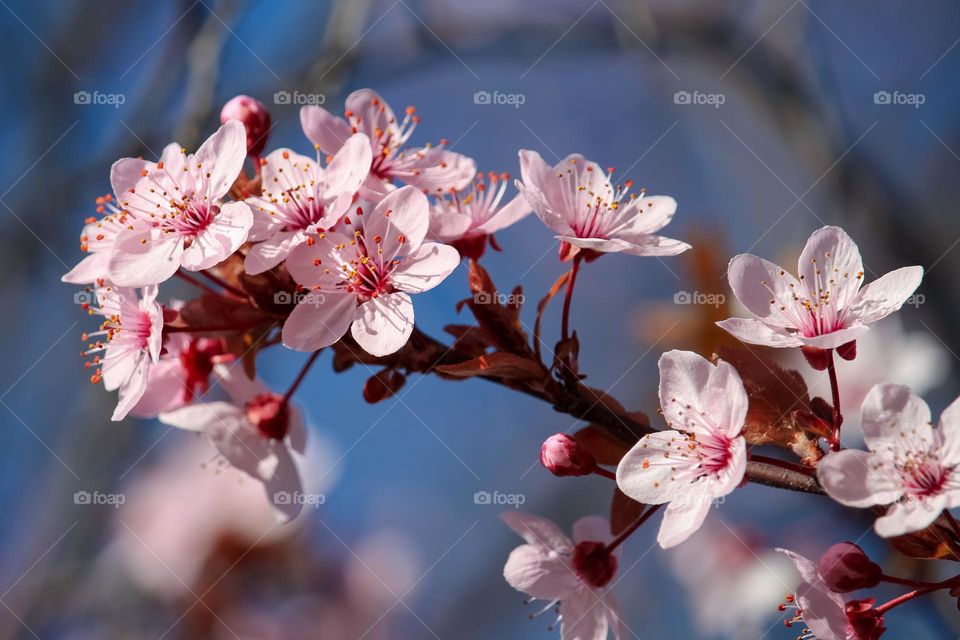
776, 395
624, 511
502, 322
498, 364
936, 542
605, 449
383, 385
542, 306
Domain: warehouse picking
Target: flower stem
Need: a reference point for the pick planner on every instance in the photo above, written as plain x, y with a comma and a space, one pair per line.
300, 376
566, 300
835, 392
784, 464
616, 542
907, 597
600, 471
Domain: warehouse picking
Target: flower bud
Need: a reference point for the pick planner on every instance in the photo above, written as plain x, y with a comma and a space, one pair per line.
564, 456
593, 563
865, 621
269, 414
255, 118
845, 567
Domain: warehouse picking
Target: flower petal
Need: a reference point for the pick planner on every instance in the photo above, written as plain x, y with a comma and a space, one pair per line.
319, 320
266, 255
684, 516
384, 324
836, 338
893, 418
425, 268
646, 473
694, 393
537, 531
221, 238
198, 417
912, 514
323, 129
831, 262
220, 158
402, 213
125, 173
540, 572
143, 256
283, 486
349, 166
886, 294
753, 331
512, 212
858, 478
592, 529
583, 616
766, 289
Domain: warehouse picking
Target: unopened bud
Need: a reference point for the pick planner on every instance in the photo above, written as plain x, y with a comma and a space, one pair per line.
593, 563
564, 456
845, 567
865, 622
255, 118
269, 414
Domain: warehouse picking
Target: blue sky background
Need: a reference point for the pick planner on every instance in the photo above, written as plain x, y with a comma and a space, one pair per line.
799, 142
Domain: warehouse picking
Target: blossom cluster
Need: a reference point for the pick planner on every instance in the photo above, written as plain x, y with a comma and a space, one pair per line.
327, 250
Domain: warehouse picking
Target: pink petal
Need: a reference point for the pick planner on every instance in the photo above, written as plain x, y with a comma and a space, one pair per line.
404, 212
537, 531
583, 616
831, 251
690, 380
891, 416
592, 528
764, 288
199, 417
282, 484
92, 268
133, 386
649, 215
886, 294
319, 263
823, 610
319, 320
323, 129
753, 331
373, 112
543, 190
834, 339
239, 387
448, 225
349, 167
143, 256
911, 514
646, 472
165, 390
221, 238
539, 572
684, 516
384, 324
125, 173
272, 251
858, 478
950, 434
435, 169
510, 213
732, 475
425, 268
221, 156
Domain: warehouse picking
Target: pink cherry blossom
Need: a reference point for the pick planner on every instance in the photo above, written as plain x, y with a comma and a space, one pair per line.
179, 216
703, 456
260, 448
825, 307
552, 567
578, 201
129, 337
911, 464
301, 199
467, 220
99, 233
181, 375
827, 615
363, 281
429, 168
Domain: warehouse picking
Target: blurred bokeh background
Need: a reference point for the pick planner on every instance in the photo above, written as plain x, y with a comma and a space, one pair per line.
765, 119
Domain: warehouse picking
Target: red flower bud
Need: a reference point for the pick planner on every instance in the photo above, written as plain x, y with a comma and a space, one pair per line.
255, 118
564, 456
845, 567
269, 414
593, 563
866, 622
